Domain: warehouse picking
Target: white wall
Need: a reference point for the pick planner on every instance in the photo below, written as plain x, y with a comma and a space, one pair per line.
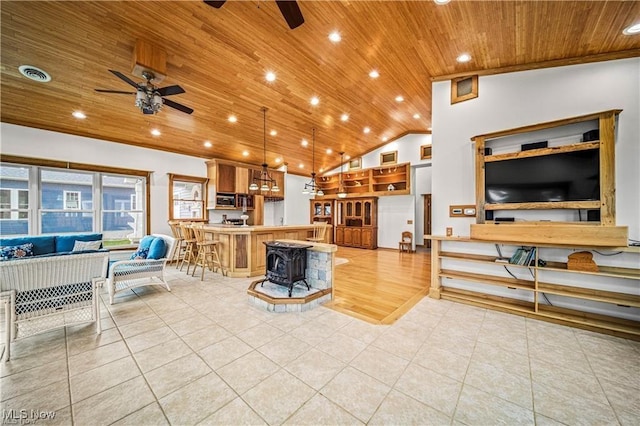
36, 143
296, 205
421, 180
516, 99
393, 214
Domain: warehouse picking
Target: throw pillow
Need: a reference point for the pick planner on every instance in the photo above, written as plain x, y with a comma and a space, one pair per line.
86, 245
157, 249
16, 252
140, 254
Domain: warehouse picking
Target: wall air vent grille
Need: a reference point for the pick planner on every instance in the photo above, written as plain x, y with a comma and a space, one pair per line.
34, 73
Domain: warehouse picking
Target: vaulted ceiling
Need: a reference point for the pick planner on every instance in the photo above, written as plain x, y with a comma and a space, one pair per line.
220, 57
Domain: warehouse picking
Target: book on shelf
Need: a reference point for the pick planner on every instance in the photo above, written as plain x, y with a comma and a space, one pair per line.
523, 256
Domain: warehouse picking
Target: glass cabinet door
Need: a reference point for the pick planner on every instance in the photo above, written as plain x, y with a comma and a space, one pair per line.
327, 208
367, 213
317, 209
349, 208
358, 209
340, 218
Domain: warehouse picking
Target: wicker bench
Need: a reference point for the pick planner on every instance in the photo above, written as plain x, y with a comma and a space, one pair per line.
44, 293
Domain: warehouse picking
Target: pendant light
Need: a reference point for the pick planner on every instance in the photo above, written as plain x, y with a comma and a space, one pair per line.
264, 181
312, 186
342, 191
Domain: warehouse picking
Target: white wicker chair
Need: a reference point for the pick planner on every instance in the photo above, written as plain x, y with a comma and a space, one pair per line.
44, 293
127, 274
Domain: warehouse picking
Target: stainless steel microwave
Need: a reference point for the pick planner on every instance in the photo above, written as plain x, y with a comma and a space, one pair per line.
226, 200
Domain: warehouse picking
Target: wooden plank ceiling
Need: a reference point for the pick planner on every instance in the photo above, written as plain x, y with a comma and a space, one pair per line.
220, 57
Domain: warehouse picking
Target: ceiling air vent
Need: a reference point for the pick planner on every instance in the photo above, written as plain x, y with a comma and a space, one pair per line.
34, 73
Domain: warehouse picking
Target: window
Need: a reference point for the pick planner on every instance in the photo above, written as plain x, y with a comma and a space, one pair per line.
14, 199
71, 200
122, 216
425, 152
38, 200
464, 88
388, 158
186, 199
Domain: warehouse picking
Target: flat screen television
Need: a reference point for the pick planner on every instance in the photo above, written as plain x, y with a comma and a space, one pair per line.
569, 176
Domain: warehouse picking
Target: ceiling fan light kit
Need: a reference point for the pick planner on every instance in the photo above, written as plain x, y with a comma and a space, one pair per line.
149, 98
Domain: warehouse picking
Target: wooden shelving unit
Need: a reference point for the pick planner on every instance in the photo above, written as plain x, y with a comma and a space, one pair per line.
517, 173
466, 270
372, 182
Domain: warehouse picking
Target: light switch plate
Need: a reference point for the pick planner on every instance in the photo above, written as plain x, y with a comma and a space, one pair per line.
463, 210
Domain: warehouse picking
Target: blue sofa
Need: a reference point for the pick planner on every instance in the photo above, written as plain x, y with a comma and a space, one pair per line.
49, 245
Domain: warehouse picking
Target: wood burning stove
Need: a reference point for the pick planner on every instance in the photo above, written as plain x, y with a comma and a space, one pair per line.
286, 263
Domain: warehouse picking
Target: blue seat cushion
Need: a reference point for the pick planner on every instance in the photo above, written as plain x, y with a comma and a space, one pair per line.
145, 242
42, 244
157, 249
16, 252
66, 242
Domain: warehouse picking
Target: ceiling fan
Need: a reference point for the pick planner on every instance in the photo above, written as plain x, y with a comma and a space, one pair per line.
289, 9
150, 98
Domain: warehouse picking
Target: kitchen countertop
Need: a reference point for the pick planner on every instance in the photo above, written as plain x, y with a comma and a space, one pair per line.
253, 228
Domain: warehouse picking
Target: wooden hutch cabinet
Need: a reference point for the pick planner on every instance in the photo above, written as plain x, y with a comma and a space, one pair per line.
357, 222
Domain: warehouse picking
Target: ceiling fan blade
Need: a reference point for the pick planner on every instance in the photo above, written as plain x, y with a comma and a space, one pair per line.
291, 12
177, 106
124, 78
216, 4
170, 90
115, 91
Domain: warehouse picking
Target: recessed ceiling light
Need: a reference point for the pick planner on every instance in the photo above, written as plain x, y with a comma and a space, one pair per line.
441, 1
232, 119
399, 99
314, 101
374, 74
329, 150
245, 153
273, 132
335, 37
366, 130
384, 139
304, 142
465, 57
346, 157
270, 76
631, 30
278, 160
344, 117
429, 128
208, 144
301, 165
79, 115
155, 132
416, 116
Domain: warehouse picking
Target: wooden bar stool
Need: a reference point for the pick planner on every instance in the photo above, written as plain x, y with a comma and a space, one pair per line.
207, 252
181, 245
191, 247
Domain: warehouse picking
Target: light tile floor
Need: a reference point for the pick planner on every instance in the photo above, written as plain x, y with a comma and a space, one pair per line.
201, 354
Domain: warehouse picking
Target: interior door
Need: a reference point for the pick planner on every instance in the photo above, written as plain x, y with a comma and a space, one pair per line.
426, 199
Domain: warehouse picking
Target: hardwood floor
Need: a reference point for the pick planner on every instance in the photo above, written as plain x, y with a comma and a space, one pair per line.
379, 286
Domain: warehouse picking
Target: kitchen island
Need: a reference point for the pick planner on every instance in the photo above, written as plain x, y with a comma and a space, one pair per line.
241, 248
